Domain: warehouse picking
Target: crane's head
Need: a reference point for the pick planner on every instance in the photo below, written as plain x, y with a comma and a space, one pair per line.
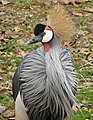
43, 33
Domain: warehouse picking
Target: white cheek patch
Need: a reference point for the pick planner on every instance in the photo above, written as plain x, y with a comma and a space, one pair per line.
48, 36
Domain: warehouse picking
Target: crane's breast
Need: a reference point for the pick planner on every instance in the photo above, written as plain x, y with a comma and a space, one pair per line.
47, 78
33, 66
33, 76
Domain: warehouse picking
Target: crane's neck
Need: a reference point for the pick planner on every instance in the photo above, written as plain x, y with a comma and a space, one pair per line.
57, 78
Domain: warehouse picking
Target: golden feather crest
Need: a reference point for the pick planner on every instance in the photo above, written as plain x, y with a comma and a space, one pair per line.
61, 22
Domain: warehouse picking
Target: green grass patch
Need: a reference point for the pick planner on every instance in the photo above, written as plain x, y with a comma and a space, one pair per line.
27, 3
81, 21
85, 73
85, 95
83, 114
7, 101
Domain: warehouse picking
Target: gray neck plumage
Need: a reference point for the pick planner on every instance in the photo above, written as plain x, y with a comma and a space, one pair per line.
55, 43
56, 79
54, 52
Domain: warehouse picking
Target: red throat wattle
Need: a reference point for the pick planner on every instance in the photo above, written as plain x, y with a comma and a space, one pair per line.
46, 47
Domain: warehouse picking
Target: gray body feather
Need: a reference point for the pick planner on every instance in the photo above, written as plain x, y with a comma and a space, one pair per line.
48, 83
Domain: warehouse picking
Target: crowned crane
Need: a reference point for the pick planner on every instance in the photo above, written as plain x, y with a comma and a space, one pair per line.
44, 84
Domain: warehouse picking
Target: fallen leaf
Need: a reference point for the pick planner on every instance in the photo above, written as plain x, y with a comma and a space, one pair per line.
85, 41
80, 33
22, 53
76, 107
1, 48
77, 14
8, 114
90, 57
11, 73
2, 13
4, 89
84, 50
4, 2
48, 2
69, 1
80, 1
2, 109
88, 83
87, 55
21, 42
13, 118
1, 78
89, 10
74, 1
66, 44
17, 29
1, 71
90, 27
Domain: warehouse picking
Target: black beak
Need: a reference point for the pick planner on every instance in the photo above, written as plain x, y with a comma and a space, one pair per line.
36, 39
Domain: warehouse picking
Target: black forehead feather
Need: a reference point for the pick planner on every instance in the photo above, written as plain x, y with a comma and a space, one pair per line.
39, 28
